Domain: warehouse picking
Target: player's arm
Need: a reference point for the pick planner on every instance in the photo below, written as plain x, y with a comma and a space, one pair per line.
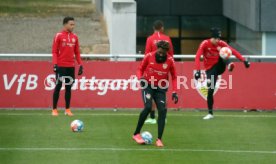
77, 52
78, 57
198, 54
55, 50
171, 52
174, 82
148, 48
143, 66
141, 70
237, 54
197, 59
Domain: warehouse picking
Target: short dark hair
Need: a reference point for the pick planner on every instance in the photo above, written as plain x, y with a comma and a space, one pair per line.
163, 44
158, 24
67, 19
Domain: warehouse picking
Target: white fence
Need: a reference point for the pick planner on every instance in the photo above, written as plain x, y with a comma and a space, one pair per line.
115, 57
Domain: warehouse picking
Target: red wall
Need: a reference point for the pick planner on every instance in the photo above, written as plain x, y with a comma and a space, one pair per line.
253, 88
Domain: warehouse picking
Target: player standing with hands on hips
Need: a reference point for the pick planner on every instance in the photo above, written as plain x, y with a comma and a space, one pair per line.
154, 74
65, 50
214, 64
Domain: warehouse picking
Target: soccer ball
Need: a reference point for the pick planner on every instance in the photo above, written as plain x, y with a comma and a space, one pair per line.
77, 126
147, 137
225, 53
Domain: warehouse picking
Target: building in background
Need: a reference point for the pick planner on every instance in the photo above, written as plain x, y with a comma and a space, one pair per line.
187, 22
254, 24
246, 24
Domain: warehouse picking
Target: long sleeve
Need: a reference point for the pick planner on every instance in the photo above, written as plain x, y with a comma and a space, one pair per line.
198, 55
174, 76
143, 66
234, 51
148, 48
55, 48
171, 52
77, 52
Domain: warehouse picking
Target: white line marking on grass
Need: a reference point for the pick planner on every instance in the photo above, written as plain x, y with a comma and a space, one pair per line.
136, 114
141, 149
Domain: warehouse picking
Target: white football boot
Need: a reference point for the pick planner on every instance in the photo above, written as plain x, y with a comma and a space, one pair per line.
150, 121
208, 117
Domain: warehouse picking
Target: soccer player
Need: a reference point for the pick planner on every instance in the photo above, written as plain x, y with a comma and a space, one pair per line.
65, 49
158, 35
153, 74
214, 64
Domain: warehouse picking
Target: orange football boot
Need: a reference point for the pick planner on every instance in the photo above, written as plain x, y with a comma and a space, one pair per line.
54, 112
68, 112
159, 143
137, 138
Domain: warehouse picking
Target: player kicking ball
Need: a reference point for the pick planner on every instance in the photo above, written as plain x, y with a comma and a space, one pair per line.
65, 49
153, 74
214, 64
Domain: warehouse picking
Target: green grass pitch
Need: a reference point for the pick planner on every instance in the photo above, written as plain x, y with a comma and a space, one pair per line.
34, 136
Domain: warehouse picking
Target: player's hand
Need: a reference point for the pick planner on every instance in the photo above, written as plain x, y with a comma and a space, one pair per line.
197, 75
55, 69
80, 70
246, 64
143, 82
175, 98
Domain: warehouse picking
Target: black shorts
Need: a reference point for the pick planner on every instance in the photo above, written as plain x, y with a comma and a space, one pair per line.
157, 95
65, 73
217, 69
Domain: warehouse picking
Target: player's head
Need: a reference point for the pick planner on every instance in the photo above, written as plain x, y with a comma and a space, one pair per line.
69, 24
158, 25
162, 50
215, 35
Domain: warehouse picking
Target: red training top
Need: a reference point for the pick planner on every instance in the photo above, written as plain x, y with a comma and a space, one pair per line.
156, 37
210, 53
149, 68
65, 48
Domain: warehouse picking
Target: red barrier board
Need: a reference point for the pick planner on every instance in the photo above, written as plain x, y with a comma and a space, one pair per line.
30, 84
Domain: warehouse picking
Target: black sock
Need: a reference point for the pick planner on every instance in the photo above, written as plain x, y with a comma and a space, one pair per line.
56, 94
210, 111
161, 122
210, 100
67, 96
152, 114
143, 116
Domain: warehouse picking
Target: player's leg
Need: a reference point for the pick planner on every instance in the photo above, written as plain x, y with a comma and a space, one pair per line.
212, 76
147, 94
160, 100
211, 83
221, 66
57, 91
226, 62
151, 119
69, 81
152, 113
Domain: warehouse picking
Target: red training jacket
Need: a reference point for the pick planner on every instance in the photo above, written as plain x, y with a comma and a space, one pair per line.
65, 49
154, 38
210, 53
160, 71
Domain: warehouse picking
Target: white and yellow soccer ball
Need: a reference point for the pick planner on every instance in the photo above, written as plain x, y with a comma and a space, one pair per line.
147, 137
77, 126
225, 52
